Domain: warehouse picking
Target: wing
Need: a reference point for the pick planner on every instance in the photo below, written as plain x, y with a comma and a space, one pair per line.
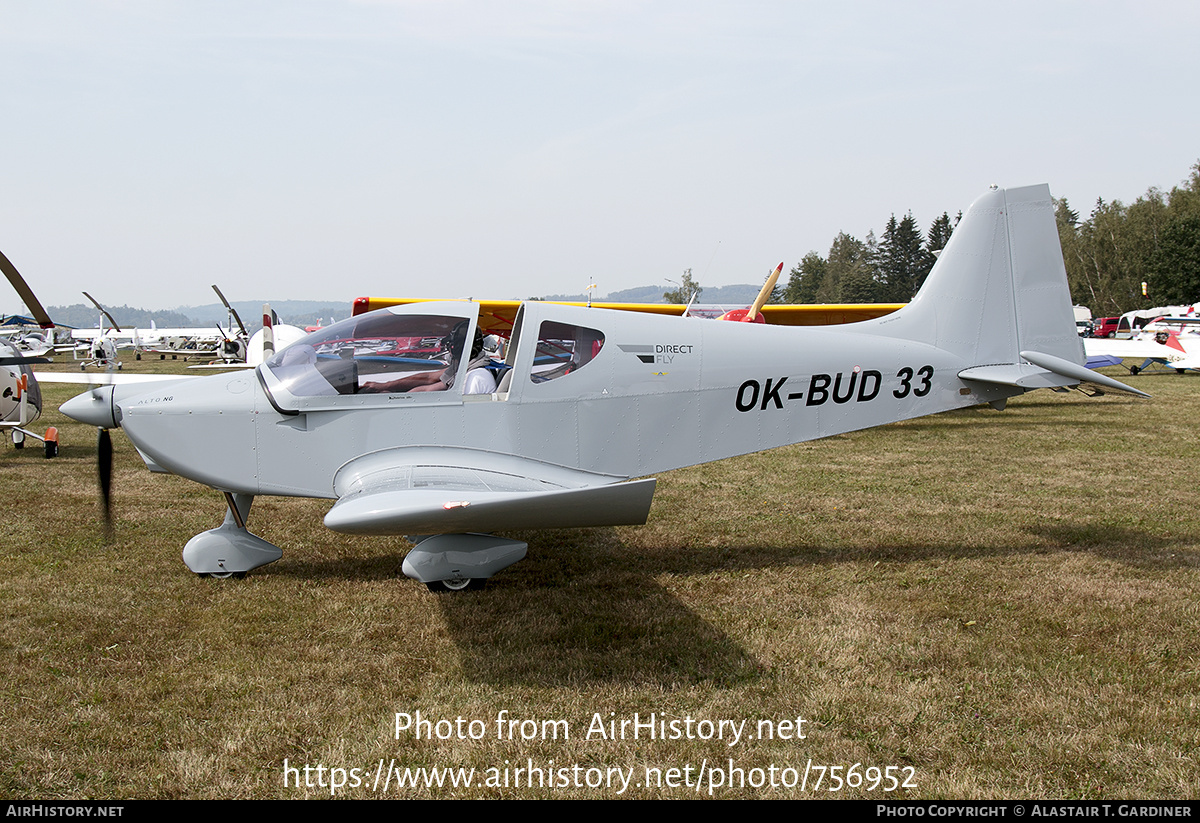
1189, 362
445, 490
497, 316
825, 314
104, 378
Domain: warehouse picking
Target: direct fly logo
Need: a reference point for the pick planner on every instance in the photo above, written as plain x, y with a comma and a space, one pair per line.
657, 352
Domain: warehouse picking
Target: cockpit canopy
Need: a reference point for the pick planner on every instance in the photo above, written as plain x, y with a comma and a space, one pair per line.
402, 352
372, 351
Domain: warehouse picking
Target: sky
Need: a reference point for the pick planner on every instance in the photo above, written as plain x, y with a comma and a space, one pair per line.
332, 149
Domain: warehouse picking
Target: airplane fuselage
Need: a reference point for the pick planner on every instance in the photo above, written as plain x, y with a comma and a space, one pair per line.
660, 393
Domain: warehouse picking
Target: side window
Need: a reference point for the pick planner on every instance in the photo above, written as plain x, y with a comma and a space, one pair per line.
563, 348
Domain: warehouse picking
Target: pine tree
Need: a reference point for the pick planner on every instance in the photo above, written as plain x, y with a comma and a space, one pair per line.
847, 261
935, 241
805, 279
901, 265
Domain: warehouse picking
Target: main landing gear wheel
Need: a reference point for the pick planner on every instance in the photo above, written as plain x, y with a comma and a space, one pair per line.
1134, 369
461, 584
224, 575
459, 562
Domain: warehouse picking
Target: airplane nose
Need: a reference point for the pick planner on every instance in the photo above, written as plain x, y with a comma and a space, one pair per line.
94, 407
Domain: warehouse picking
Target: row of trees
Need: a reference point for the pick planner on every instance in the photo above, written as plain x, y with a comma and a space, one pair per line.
1155, 240
887, 270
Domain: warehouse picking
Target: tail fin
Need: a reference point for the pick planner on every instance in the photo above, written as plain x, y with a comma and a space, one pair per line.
998, 297
268, 333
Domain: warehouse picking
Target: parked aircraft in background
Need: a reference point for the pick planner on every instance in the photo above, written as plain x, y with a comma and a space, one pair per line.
1167, 348
378, 413
231, 345
18, 334
20, 394
1132, 323
100, 345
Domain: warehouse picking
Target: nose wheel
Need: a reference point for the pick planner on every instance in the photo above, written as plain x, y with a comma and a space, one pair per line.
229, 550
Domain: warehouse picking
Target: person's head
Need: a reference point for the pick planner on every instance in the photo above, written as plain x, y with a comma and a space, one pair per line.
457, 339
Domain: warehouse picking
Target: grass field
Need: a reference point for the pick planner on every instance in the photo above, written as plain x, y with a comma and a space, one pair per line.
998, 604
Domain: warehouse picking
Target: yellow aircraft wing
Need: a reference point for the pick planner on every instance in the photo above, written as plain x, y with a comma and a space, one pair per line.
497, 316
825, 314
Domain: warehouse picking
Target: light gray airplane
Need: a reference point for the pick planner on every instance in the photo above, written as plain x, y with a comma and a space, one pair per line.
388, 413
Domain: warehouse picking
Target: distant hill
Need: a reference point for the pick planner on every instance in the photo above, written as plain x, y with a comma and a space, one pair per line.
82, 316
297, 312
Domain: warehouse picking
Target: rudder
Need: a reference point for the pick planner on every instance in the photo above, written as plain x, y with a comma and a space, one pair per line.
999, 287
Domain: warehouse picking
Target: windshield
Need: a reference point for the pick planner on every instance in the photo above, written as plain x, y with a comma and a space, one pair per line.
378, 352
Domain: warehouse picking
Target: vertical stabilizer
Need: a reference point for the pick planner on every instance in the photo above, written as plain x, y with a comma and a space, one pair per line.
1044, 312
999, 287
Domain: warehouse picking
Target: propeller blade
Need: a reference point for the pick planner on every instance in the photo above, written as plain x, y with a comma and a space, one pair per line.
22, 361
764, 294
231, 310
104, 311
241, 326
27, 296
223, 300
104, 458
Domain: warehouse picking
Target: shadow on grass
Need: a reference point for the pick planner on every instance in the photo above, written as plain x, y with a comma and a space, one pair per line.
1132, 547
350, 569
979, 418
585, 607
581, 608
1129, 546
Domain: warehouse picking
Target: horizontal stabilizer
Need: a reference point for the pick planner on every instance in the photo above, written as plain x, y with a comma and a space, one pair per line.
1102, 360
1021, 375
1043, 371
1081, 373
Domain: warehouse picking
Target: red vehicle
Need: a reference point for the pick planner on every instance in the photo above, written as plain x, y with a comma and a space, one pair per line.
1104, 326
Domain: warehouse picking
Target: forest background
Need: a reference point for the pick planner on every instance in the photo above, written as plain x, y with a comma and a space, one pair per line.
1155, 240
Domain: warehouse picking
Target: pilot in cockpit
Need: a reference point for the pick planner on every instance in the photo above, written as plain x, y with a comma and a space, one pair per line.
478, 380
